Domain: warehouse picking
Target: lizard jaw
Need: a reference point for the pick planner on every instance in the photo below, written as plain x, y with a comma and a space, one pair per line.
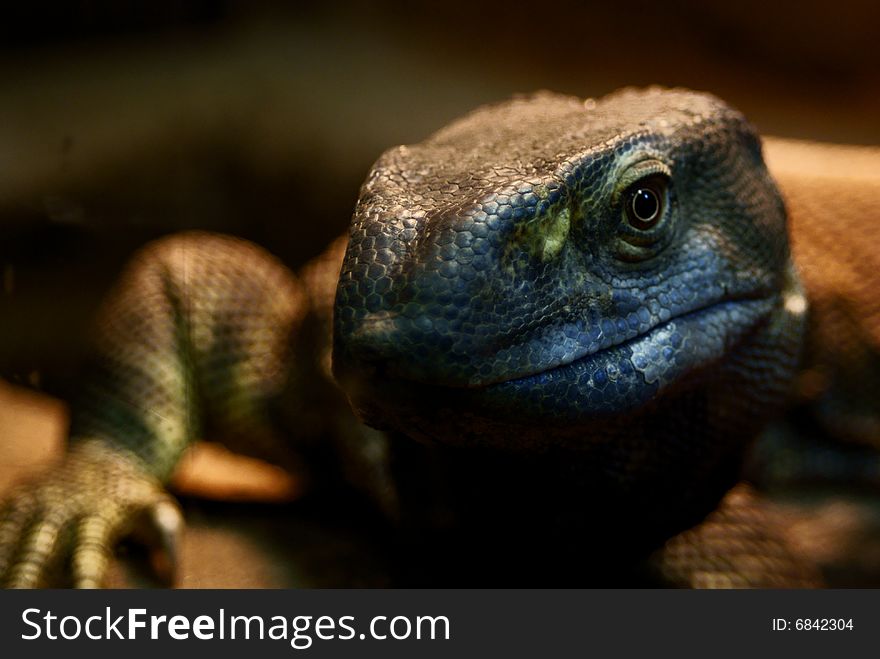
664, 338
683, 354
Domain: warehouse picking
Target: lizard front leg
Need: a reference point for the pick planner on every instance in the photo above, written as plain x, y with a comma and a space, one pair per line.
742, 544
196, 333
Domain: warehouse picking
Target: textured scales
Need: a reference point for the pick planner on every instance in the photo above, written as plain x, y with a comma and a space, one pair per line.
580, 395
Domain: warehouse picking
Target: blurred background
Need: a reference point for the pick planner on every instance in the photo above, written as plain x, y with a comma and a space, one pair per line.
124, 121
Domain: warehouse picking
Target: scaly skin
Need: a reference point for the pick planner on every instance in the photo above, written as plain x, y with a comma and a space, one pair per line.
580, 391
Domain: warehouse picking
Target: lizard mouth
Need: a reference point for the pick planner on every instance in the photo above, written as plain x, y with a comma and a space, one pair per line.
659, 344
607, 382
703, 350
665, 353
685, 353
704, 331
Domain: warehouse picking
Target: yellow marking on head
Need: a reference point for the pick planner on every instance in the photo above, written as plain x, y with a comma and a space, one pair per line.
542, 237
555, 234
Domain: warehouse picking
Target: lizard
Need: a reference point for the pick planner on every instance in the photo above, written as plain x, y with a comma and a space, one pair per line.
544, 347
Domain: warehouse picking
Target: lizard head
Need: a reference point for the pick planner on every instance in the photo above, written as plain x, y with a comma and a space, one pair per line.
552, 271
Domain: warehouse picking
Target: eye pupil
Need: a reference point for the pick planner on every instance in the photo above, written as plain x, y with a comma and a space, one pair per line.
645, 205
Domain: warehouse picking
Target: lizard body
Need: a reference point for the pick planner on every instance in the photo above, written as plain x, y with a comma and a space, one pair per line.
565, 383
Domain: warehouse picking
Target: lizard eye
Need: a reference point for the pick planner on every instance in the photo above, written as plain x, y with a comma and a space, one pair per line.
644, 202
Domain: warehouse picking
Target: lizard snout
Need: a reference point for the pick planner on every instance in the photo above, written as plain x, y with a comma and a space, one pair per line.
368, 347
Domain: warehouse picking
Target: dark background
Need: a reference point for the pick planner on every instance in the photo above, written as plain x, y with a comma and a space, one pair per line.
123, 121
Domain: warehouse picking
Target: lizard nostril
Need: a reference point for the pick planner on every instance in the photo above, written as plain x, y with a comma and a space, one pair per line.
370, 344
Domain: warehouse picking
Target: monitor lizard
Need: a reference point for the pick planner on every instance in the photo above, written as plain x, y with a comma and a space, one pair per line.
543, 349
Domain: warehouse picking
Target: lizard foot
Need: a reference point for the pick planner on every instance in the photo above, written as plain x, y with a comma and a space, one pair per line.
66, 523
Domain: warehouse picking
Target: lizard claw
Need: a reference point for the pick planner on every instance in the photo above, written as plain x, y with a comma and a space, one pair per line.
78, 511
160, 528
